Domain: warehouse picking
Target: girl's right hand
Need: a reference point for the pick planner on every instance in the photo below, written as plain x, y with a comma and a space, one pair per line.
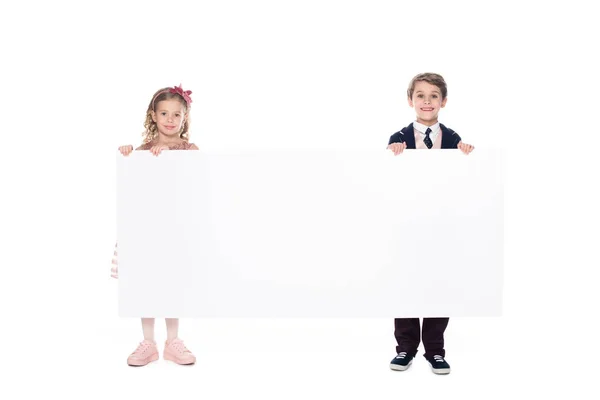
125, 150
397, 148
158, 148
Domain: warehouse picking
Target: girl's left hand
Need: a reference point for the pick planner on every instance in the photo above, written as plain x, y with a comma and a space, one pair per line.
465, 148
158, 148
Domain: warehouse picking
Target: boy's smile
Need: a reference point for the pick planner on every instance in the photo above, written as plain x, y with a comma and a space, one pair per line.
427, 102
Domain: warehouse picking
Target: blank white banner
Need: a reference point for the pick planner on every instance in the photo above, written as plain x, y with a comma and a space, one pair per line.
310, 234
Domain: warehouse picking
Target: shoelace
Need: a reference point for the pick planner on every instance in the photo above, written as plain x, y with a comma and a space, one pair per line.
438, 358
401, 354
180, 347
142, 348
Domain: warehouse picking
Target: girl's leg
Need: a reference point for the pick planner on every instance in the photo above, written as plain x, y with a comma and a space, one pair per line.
146, 352
175, 350
172, 328
148, 328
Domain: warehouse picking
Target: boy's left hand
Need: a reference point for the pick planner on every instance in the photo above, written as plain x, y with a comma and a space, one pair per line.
465, 148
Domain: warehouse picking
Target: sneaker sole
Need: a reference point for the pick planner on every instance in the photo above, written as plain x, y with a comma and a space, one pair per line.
173, 359
439, 371
396, 367
145, 362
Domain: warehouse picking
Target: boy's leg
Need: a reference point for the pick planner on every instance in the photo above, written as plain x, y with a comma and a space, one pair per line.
408, 335
433, 336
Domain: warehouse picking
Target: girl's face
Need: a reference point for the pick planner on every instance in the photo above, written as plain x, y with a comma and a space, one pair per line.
169, 117
427, 101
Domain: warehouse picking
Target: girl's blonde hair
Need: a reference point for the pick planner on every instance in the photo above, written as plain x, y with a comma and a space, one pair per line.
167, 93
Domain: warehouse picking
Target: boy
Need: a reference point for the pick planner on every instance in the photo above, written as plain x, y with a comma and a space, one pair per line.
427, 94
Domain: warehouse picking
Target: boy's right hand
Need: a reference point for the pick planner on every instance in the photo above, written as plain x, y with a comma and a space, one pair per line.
125, 150
397, 148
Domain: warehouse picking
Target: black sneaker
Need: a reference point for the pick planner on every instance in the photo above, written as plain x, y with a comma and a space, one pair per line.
439, 365
401, 362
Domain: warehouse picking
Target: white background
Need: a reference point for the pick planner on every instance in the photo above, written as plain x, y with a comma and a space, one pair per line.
76, 80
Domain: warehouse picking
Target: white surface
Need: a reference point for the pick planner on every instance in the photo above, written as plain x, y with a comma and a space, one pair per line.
311, 234
308, 74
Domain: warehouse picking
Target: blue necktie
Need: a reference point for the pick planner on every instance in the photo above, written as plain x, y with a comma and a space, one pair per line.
427, 139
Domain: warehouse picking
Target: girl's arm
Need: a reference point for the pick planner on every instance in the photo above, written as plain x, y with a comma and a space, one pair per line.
125, 150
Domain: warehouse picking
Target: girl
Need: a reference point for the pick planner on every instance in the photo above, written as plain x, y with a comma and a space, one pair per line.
167, 125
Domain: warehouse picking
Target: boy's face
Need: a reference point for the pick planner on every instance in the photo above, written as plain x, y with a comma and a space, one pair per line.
427, 102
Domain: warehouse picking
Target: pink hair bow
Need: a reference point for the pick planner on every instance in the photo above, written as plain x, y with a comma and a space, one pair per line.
183, 93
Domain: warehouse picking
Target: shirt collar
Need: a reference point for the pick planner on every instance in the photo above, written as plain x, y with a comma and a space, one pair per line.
422, 128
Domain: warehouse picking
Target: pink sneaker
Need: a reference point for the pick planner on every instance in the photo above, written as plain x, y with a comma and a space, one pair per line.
144, 354
176, 351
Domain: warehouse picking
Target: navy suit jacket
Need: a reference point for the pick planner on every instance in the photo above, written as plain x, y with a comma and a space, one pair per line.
450, 139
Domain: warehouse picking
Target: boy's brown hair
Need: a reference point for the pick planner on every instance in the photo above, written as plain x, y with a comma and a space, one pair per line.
431, 78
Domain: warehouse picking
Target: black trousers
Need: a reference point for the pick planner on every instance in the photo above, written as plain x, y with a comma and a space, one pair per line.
408, 335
